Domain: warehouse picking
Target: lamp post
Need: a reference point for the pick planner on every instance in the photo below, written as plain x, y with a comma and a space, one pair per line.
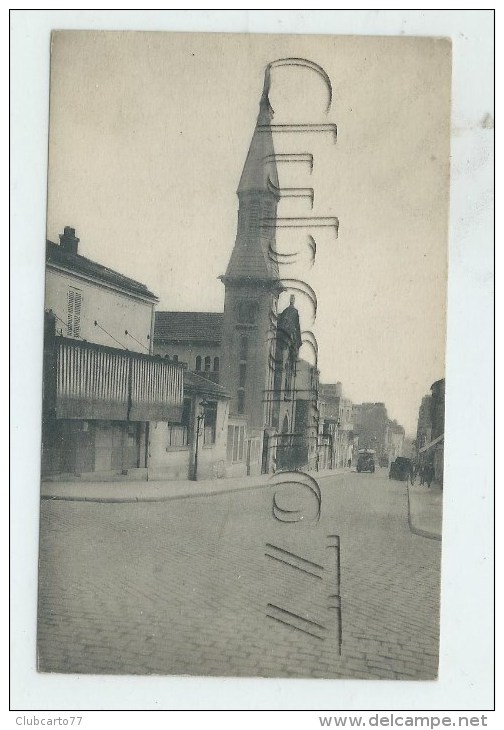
199, 418
338, 425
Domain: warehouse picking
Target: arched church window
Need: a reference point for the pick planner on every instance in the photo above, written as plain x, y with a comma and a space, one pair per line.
207, 363
198, 362
216, 364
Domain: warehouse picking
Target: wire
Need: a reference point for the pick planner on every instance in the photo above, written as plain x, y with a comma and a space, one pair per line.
137, 341
111, 336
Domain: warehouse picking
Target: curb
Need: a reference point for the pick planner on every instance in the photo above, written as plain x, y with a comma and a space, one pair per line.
417, 530
165, 498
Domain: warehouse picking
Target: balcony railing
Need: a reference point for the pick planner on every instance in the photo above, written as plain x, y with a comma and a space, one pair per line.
104, 383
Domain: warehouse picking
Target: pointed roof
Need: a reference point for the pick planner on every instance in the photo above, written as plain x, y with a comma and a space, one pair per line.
251, 257
250, 261
259, 171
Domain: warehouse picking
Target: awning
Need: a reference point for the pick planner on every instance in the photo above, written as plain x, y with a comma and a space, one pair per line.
431, 444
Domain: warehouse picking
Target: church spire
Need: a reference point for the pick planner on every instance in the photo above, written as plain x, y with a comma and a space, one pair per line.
258, 197
259, 171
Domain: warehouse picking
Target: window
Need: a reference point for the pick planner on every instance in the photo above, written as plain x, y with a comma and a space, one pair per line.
229, 446
198, 363
74, 303
207, 363
247, 312
288, 378
178, 433
243, 374
216, 364
236, 443
210, 423
175, 358
243, 347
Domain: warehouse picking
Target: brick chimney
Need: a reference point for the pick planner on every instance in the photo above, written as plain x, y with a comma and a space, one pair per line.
68, 240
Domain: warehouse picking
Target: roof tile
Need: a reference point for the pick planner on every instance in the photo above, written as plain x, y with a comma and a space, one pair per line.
188, 327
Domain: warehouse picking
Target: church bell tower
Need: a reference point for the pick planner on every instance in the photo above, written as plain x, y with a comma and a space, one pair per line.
253, 285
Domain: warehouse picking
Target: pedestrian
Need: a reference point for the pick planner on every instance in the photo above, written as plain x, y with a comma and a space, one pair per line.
349, 463
421, 471
429, 474
411, 473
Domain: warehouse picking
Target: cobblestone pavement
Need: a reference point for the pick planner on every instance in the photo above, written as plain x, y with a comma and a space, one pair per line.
218, 586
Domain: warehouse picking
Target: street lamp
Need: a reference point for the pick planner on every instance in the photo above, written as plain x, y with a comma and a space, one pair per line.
338, 426
199, 418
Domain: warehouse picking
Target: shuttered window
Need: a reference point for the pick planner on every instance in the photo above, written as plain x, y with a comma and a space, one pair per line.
74, 305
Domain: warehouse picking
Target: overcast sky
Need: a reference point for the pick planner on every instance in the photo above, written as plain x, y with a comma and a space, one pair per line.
149, 134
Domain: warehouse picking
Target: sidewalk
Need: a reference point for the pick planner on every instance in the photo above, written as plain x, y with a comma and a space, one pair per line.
157, 491
425, 513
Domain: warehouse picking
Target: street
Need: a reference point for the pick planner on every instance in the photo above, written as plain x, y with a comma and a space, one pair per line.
217, 586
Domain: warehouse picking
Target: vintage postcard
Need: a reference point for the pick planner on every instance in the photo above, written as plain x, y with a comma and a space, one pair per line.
244, 355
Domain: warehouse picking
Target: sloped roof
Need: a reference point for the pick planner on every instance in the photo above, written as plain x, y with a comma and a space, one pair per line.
250, 258
56, 254
188, 327
250, 261
197, 383
260, 169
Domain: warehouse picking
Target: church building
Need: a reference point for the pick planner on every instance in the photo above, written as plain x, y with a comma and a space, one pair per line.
251, 350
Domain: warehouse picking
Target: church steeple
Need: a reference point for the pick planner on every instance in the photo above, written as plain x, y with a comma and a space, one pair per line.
253, 285
255, 239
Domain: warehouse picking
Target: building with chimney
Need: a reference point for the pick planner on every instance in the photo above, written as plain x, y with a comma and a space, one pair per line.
110, 407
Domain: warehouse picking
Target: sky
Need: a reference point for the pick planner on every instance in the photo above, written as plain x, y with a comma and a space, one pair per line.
148, 136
